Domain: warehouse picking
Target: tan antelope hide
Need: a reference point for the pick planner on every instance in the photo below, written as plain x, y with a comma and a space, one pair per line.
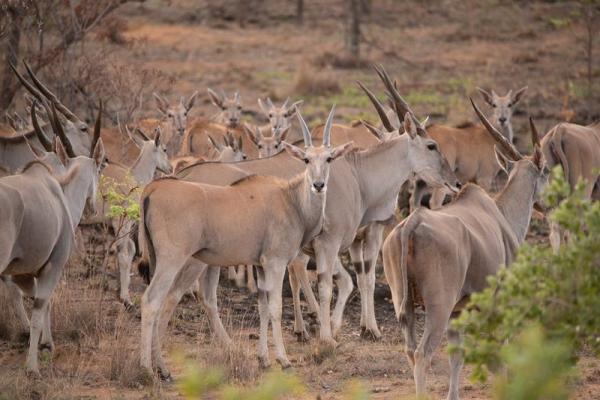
258, 220
129, 182
439, 258
39, 213
576, 149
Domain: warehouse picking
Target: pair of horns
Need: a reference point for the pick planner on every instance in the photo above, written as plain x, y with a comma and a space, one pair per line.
42, 93
399, 105
508, 148
326, 130
59, 131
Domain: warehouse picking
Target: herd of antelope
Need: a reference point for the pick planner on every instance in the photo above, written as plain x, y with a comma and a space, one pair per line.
263, 199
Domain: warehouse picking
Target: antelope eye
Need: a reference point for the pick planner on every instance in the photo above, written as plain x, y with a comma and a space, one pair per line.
239, 107
306, 161
509, 105
494, 105
431, 146
329, 159
260, 146
270, 115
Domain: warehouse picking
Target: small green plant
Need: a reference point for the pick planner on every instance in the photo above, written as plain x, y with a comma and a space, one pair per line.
122, 198
558, 22
198, 382
559, 292
536, 368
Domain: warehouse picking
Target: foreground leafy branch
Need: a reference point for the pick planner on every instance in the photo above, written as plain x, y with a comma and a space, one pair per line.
560, 293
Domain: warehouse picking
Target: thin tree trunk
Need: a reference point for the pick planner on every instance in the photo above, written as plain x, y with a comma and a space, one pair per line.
8, 82
300, 12
353, 31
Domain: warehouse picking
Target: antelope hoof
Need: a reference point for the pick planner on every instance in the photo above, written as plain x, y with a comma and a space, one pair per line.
326, 347
33, 373
302, 336
49, 347
129, 306
370, 334
165, 375
264, 362
285, 363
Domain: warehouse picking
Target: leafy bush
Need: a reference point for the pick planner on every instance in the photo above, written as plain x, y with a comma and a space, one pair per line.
122, 198
536, 368
560, 292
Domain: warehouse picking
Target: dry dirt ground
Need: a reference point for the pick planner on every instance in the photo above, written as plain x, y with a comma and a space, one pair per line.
438, 50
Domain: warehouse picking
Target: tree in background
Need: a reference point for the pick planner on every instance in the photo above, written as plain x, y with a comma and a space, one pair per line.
43, 32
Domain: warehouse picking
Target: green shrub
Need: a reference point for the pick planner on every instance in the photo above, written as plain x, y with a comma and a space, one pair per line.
559, 292
122, 198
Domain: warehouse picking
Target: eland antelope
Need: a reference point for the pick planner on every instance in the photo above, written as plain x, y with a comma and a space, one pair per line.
503, 108
468, 147
127, 181
40, 211
576, 149
182, 220
228, 118
439, 258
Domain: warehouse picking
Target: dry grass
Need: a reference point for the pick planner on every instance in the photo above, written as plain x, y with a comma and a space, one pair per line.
9, 325
310, 81
239, 363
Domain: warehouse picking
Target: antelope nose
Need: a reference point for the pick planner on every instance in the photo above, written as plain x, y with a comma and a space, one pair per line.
319, 186
502, 120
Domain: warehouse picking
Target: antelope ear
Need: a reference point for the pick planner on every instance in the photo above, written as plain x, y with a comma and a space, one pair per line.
291, 111
240, 143
505, 164
515, 98
60, 151
486, 96
294, 151
263, 107
98, 154
409, 126
135, 137
283, 135
215, 144
215, 98
538, 158
342, 150
157, 138
190, 103
378, 133
251, 135
160, 103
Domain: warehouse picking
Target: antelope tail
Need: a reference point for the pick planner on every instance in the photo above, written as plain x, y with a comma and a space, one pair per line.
147, 263
405, 236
